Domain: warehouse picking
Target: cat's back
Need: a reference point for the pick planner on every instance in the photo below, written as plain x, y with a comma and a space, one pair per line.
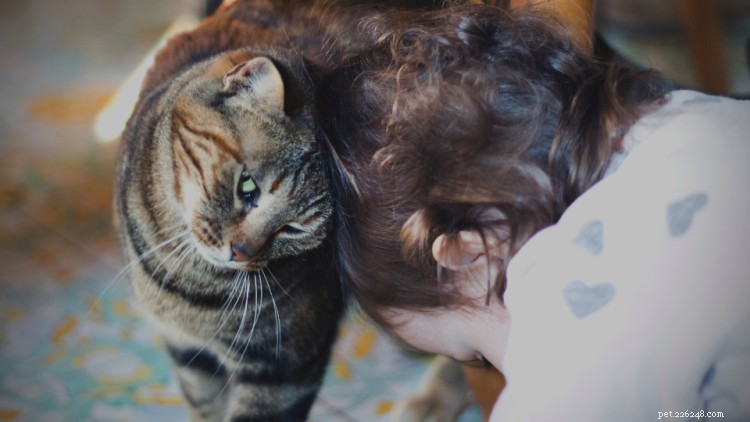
306, 27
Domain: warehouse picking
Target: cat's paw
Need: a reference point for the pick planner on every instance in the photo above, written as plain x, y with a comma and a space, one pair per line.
442, 397
429, 408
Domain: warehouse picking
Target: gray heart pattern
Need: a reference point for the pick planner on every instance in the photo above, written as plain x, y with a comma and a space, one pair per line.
591, 237
680, 213
583, 299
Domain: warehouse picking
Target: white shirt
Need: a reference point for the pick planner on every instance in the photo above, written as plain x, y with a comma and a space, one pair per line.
638, 300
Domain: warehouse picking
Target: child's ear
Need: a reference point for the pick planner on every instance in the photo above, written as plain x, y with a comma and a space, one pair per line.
468, 250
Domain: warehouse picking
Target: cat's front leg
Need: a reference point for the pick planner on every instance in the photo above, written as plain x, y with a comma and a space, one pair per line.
204, 382
442, 395
260, 395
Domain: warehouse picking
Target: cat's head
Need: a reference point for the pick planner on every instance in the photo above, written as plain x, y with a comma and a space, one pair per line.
247, 175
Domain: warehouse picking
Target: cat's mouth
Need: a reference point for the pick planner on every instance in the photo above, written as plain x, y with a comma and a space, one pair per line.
241, 259
234, 262
239, 266
247, 266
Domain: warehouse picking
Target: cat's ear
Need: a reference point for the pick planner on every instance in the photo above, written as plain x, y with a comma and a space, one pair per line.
259, 80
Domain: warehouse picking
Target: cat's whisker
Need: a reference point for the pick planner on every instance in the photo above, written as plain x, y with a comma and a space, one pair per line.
126, 269
329, 43
243, 320
258, 306
146, 254
256, 310
224, 311
188, 248
164, 260
256, 314
246, 283
276, 281
227, 312
276, 313
241, 289
224, 319
294, 48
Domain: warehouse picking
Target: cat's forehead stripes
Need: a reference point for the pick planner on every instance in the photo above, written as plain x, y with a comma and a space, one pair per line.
203, 144
277, 181
189, 155
181, 122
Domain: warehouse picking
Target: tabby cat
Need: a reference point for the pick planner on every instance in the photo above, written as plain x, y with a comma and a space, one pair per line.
224, 208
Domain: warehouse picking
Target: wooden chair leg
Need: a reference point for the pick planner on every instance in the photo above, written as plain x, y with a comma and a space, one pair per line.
705, 37
485, 385
578, 15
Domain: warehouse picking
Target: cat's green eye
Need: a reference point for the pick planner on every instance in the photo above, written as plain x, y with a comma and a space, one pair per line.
247, 189
247, 186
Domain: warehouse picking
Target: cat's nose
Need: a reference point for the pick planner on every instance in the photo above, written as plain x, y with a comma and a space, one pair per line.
239, 253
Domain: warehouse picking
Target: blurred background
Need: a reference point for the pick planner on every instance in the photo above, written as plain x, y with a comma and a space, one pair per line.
72, 346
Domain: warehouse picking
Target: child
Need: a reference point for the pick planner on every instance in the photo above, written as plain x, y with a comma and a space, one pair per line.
577, 224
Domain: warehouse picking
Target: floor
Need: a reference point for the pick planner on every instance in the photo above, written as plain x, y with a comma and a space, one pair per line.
72, 345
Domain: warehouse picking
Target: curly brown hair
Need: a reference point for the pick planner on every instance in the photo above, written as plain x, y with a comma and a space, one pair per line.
455, 112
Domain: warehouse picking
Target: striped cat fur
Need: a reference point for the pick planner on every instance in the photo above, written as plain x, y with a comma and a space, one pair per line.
224, 208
